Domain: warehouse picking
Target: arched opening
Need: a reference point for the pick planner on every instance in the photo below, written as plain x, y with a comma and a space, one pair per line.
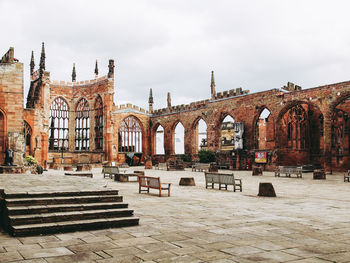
27, 131
179, 138
98, 123
130, 135
2, 137
263, 128
300, 134
82, 126
227, 134
159, 141
340, 134
59, 119
200, 135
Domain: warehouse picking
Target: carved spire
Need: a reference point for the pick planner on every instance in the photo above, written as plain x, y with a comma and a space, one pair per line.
169, 100
111, 68
42, 58
150, 101
74, 74
96, 70
212, 86
32, 64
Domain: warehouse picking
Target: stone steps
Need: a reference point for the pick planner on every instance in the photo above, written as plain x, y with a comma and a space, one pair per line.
21, 210
62, 200
55, 212
70, 226
63, 193
65, 216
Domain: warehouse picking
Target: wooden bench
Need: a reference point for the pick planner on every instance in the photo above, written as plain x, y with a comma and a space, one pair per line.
110, 171
289, 170
161, 166
223, 180
200, 167
154, 183
347, 177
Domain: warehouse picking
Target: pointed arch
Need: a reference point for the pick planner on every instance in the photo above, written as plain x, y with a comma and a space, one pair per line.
200, 136
59, 124
82, 125
27, 131
159, 139
227, 133
262, 128
98, 107
299, 132
179, 137
130, 135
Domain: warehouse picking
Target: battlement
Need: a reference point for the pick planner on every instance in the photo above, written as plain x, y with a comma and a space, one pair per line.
129, 106
231, 93
202, 103
78, 83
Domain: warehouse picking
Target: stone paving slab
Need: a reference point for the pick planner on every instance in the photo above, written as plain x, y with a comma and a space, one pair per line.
307, 222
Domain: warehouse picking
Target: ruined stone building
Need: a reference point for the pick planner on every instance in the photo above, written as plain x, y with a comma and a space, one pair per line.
78, 122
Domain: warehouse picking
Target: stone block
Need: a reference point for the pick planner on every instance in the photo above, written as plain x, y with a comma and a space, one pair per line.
266, 189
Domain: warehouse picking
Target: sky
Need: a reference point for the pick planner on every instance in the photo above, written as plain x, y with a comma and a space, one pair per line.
172, 46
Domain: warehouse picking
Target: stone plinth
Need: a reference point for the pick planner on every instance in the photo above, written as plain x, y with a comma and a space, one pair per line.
266, 189
257, 170
319, 174
187, 181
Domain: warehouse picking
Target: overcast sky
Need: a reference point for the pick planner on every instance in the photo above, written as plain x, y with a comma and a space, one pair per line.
173, 45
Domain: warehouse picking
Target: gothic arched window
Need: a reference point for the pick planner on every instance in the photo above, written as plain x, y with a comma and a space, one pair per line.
98, 123
27, 133
82, 126
59, 117
297, 125
130, 135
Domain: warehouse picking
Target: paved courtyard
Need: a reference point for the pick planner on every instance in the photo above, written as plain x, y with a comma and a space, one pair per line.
309, 221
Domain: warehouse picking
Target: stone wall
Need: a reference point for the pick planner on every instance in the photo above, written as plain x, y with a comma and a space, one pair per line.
11, 107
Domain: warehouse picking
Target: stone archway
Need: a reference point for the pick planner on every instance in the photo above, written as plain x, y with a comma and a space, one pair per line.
340, 134
299, 134
199, 135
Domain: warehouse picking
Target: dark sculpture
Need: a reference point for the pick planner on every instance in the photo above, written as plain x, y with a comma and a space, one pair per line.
9, 157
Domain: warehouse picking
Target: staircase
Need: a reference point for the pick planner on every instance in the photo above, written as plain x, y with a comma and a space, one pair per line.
27, 214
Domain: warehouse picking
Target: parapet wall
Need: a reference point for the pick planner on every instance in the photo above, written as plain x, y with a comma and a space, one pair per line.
129, 106
78, 83
202, 103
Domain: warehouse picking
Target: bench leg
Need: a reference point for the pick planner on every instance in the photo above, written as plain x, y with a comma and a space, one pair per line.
169, 190
160, 192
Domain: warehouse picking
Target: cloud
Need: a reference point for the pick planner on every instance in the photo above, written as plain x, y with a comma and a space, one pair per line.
171, 46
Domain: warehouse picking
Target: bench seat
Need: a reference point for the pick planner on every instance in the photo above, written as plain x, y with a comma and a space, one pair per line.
200, 167
288, 171
223, 180
154, 183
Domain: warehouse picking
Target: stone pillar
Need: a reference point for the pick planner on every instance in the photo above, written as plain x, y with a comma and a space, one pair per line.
188, 141
168, 142
17, 144
327, 146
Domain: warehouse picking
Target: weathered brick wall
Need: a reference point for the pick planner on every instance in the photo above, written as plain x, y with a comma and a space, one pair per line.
247, 109
11, 108
121, 112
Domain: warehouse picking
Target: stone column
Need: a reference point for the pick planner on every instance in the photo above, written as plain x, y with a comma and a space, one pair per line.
327, 146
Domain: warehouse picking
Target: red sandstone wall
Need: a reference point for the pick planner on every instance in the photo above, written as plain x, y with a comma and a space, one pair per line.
11, 106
